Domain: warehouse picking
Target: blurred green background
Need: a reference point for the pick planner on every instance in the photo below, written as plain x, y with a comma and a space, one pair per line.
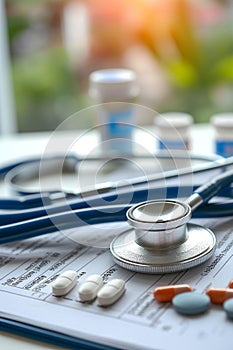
181, 51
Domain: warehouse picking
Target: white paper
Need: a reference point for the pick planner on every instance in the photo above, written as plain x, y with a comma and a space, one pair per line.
136, 321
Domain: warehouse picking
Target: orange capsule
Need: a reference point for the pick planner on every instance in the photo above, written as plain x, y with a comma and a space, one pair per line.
219, 295
230, 285
166, 293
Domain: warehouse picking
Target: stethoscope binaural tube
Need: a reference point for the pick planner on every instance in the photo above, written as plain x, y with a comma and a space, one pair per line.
19, 173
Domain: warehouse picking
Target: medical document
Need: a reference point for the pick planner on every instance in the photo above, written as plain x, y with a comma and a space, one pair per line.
136, 321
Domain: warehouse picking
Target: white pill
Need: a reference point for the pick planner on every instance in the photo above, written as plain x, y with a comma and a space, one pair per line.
111, 292
90, 287
64, 283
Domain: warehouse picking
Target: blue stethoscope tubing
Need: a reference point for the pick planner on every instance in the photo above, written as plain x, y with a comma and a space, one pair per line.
13, 170
22, 224
30, 199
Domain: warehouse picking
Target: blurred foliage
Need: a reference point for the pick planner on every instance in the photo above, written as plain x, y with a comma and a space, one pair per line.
191, 41
46, 89
199, 88
197, 62
47, 93
200, 63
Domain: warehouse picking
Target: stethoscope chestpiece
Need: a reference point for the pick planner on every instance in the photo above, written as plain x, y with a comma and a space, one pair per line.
161, 240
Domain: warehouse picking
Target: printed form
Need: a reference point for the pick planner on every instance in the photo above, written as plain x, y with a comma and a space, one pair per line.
136, 321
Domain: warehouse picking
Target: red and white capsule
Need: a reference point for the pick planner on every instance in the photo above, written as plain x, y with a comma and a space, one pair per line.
166, 293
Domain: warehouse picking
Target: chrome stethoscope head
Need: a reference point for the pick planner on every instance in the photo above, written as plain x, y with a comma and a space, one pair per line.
161, 240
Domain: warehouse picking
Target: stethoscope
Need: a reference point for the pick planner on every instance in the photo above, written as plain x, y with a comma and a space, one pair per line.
159, 239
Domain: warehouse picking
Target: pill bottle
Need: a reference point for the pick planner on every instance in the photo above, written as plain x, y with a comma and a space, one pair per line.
173, 130
114, 91
223, 128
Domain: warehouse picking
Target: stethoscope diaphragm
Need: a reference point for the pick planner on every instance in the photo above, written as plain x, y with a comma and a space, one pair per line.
196, 249
161, 241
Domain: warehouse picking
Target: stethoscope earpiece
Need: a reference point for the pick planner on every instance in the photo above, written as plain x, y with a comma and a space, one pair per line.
161, 240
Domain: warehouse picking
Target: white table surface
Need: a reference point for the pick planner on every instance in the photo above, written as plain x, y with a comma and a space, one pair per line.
23, 145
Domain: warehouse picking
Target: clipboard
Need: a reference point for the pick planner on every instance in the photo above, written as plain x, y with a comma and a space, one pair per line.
136, 321
49, 337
